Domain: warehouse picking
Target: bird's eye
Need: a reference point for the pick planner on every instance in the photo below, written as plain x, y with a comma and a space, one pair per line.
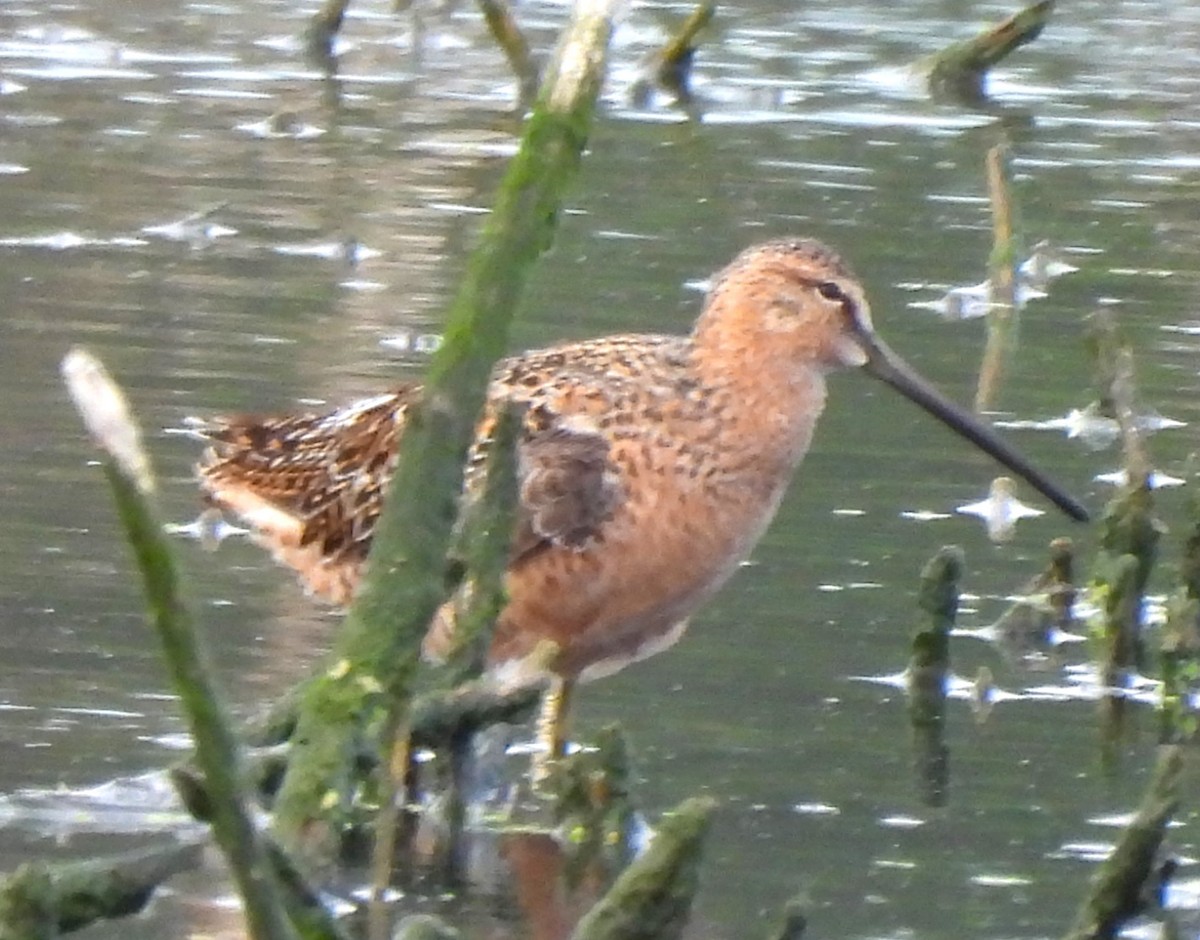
830, 291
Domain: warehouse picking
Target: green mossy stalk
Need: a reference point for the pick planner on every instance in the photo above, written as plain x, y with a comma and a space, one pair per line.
217, 751
927, 671
1179, 642
377, 652
44, 900
323, 28
507, 33
963, 66
126, 466
1124, 884
652, 898
674, 62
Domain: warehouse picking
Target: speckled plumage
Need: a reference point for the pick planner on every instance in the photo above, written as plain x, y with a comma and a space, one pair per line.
648, 468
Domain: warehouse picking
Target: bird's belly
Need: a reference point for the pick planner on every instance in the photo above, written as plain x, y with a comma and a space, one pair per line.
626, 597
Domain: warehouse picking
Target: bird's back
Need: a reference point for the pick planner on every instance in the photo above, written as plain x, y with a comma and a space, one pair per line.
311, 485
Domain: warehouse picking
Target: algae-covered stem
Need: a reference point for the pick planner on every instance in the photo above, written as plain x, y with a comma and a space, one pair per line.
1129, 537
1120, 886
963, 66
482, 544
1130, 532
324, 25
670, 67
1179, 640
652, 898
928, 669
376, 654
323, 28
504, 28
675, 58
1112, 365
106, 415
47, 899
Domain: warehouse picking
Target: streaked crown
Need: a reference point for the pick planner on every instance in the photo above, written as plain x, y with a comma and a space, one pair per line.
795, 295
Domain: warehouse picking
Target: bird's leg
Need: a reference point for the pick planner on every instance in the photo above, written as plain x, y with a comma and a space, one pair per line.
551, 727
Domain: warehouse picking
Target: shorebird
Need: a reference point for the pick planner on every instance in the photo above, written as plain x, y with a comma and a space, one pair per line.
649, 466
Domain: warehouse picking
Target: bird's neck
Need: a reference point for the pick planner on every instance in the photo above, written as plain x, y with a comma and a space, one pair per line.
768, 402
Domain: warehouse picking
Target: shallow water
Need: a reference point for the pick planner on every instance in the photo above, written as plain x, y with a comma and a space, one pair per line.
118, 122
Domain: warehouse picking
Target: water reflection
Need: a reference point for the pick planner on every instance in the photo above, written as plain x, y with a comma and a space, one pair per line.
1001, 511
196, 229
1154, 479
138, 805
1092, 428
210, 529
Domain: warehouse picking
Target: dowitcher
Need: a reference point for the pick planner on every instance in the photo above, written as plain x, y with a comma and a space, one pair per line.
649, 465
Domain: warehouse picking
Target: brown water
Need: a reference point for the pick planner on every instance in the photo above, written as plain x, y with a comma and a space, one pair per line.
118, 119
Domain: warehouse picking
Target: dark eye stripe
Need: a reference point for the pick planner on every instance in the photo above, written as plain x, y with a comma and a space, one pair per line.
831, 291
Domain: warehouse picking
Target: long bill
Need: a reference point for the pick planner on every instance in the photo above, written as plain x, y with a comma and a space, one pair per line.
888, 367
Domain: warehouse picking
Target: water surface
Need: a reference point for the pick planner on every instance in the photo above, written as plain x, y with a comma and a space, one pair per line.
327, 246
